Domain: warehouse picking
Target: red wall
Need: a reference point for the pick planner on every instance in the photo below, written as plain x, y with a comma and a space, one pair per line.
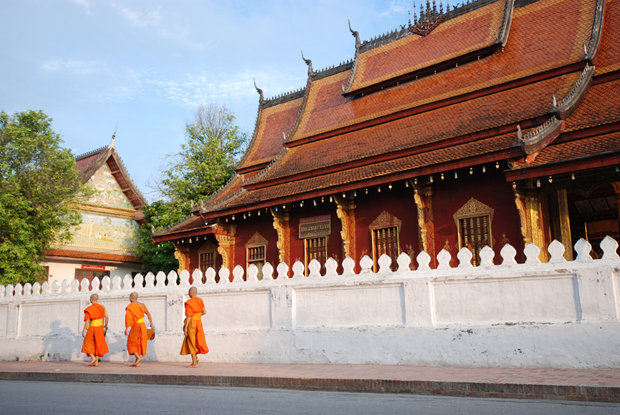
490, 188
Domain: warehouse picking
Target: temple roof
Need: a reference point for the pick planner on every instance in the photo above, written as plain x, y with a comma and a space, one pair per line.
442, 37
532, 94
93, 256
88, 164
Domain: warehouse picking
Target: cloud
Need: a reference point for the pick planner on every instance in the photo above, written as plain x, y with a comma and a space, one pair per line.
154, 19
397, 8
77, 67
137, 18
83, 3
209, 87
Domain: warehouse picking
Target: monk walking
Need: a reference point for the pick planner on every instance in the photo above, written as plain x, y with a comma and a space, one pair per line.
96, 321
134, 320
194, 342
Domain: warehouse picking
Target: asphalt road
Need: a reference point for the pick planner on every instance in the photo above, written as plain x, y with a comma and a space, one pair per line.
38, 398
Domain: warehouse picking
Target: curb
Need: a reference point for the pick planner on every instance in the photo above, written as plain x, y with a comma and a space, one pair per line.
466, 389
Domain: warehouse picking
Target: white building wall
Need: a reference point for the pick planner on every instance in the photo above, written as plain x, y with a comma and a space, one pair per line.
559, 314
65, 270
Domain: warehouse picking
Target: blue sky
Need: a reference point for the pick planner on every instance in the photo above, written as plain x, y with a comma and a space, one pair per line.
147, 65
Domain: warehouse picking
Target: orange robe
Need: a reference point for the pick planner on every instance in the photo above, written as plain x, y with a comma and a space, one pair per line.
134, 318
194, 342
94, 341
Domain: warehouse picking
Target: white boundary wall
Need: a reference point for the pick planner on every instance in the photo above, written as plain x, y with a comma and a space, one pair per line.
558, 314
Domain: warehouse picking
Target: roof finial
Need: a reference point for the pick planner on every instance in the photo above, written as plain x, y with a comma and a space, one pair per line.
555, 101
308, 62
260, 91
585, 51
113, 136
519, 134
355, 33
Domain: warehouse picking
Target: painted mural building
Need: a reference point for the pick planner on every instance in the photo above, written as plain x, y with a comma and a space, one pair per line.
105, 242
490, 123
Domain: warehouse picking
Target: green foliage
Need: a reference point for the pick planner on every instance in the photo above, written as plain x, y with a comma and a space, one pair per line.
207, 159
204, 164
38, 182
157, 257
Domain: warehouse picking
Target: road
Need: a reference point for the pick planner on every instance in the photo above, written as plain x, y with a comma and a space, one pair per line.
38, 398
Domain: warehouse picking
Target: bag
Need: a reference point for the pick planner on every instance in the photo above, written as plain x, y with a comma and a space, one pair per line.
150, 334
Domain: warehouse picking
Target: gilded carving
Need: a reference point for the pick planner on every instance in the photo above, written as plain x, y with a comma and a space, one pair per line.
281, 225
385, 220
182, 255
426, 228
565, 234
225, 236
257, 239
346, 213
474, 208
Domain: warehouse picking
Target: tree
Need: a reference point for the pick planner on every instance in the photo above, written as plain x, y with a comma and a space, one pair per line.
38, 181
205, 163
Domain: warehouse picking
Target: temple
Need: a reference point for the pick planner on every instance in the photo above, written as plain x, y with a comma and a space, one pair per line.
106, 239
490, 123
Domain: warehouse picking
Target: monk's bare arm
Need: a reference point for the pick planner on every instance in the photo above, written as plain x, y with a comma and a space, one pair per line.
204, 311
186, 326
146, 311
86, 326
106, 319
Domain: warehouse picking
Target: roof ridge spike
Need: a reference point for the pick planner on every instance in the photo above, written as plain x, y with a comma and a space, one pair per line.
309, 63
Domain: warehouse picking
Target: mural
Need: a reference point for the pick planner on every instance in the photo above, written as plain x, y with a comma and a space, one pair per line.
106, 233
107, 190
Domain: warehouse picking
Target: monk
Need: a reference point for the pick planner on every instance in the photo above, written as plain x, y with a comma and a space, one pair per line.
134, 320
194, 342
96, 321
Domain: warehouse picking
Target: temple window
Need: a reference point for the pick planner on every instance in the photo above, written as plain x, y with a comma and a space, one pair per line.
316, 248
256, 249
385, 231
206, 256
473, 222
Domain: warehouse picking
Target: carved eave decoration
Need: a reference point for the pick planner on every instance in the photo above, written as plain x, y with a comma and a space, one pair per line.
538, 138
504, 31
385, 220
575, 97
257, 240
597, 30
423, 28
473, 208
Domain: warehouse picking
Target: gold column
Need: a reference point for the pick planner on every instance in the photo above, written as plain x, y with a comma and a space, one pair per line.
529, 210
564, 219
181, 253
281, 223
346, 213
423, 197
225, 236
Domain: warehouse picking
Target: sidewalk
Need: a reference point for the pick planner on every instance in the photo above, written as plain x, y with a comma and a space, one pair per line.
588, 385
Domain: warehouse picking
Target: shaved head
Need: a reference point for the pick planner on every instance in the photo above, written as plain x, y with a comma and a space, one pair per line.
193, 291
134, 295
94, 298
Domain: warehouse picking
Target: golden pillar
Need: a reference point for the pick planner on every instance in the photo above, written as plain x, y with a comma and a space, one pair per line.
181, 253
225, 236
530, 215
423, 197
346, 213
281, 223
564, 224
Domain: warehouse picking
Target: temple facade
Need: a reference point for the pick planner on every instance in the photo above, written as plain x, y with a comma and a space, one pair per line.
491, 123
106, 240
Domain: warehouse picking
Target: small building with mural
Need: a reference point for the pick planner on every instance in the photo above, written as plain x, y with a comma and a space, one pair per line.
494, 122
105, 242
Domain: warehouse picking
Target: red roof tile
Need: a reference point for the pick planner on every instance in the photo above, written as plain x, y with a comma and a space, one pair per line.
507, 107
576, 149
601, 106
269, 140
532, 48
455, 37
417, 161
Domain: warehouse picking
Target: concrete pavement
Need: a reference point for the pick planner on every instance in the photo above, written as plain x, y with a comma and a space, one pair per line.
564, 384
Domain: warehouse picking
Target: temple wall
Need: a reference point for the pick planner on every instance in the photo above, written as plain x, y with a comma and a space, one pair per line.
559, 314
450, 194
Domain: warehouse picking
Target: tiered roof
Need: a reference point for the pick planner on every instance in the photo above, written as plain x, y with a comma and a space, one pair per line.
493, 80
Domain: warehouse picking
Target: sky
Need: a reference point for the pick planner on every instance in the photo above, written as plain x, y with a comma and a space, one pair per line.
148, 65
